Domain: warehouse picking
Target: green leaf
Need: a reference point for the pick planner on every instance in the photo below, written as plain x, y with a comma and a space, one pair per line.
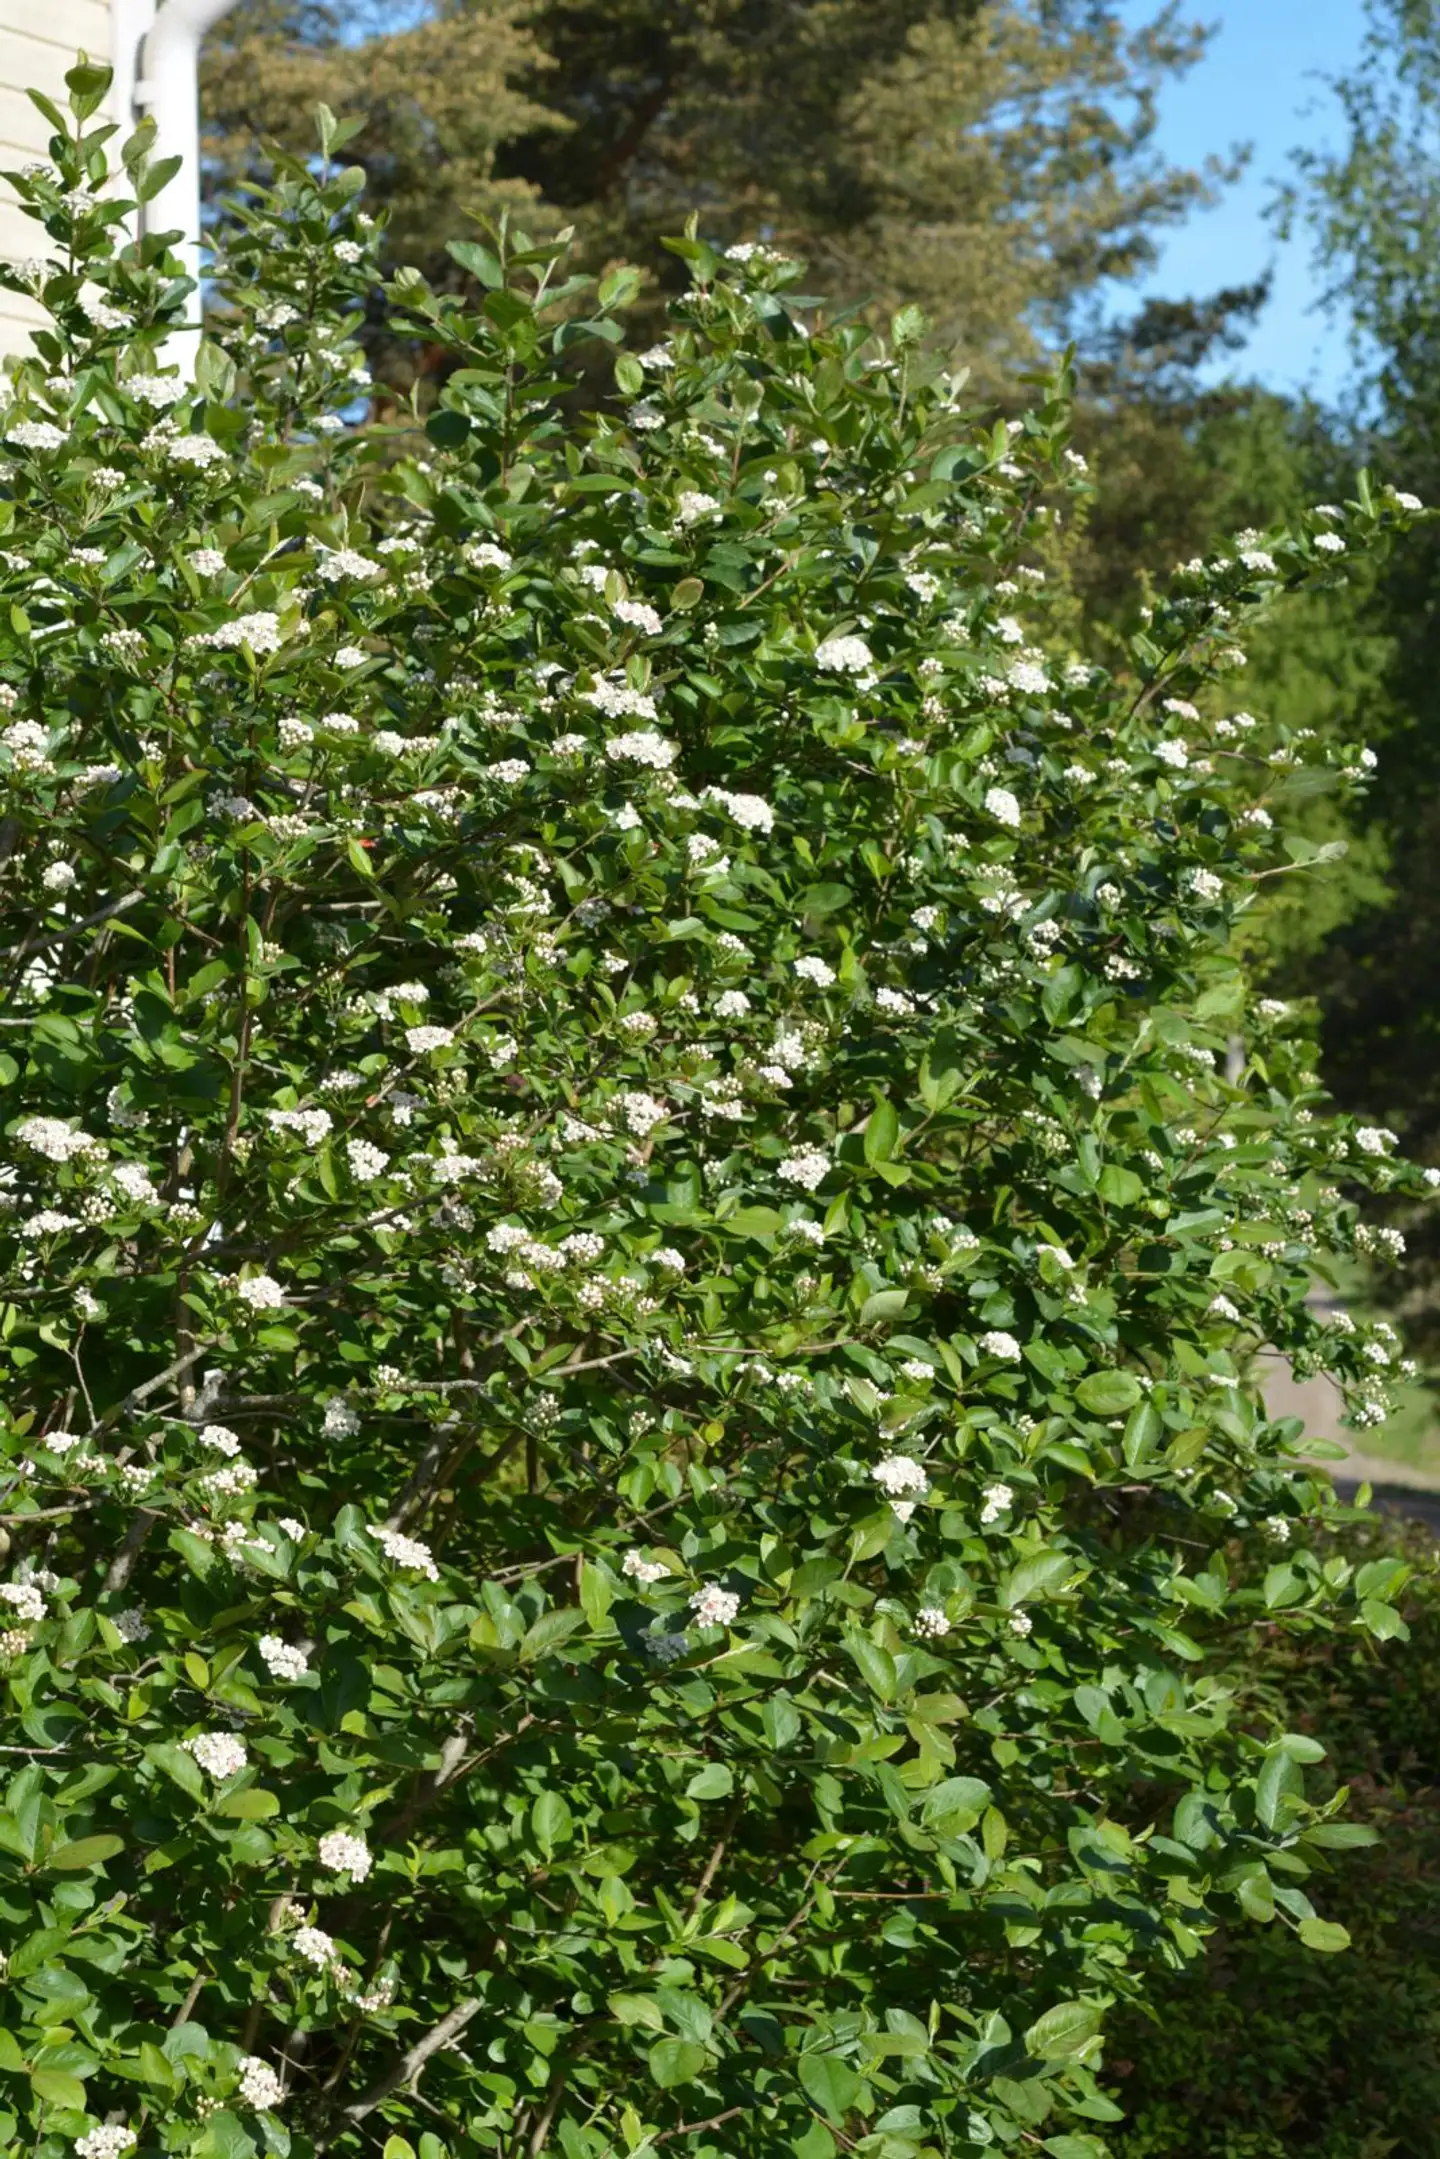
877, 1666
883, 1304
1143, 1432
57, 2088
250, 1805
955, 1805
1277, 1788
675, 2061
882, 1133
1063, 2031
831, 2083
179, 1765
478, 261
1043, 1575
1108, 1394
1324, 1935
82, 1853
447, 429
551, 1820
549, 1631
634, 2009
714, 1781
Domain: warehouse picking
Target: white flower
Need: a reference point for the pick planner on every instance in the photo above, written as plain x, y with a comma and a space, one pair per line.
342, 562
314, 1946
57, 1140
109, 2141
1276, 1528
714, 1606
221, 1438
1329, 543
260, 2087
808, 1169
261, 1292
343, 1853
197, 450
157, 391
1002, 806
931, 1623
406, 1552
997, 1498
351, 656
37, 435
131, 1625
206, 561
638, 616
259, 632
313, 1125
366, 1162
280, 1659
421, 1039
620, 700
692, 505
24, 1599
640, 1112
642, 746
731, 1005
1204, 884
818, 971
752, 812
641, 1569
844, 656
1172, 753
58, 876
485, 555
899, 1474
1021, 1623
999, 1344
1408, 502
221, 1754
1373, 1139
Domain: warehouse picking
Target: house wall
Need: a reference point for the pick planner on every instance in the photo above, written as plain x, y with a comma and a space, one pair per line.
39, 40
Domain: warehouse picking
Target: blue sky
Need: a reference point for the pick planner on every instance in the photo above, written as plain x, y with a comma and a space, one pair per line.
1261, 83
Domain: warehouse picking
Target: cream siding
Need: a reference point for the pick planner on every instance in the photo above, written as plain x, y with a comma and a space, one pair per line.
39, 40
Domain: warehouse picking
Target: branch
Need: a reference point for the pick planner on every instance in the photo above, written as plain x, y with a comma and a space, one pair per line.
413, 2061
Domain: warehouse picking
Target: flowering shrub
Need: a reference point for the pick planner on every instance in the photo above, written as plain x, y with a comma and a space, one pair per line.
633, 1220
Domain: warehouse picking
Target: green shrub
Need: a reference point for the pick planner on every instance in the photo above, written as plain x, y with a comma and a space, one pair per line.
630, 1246
1247, 2055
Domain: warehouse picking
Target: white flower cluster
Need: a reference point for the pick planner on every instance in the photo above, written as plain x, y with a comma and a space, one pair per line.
997, 1498
260, 2087
341, 1852
406, 1552
109, 2141
901, 1476
219, 1754
844, 656
714, 1606
643, 1570
281, 1659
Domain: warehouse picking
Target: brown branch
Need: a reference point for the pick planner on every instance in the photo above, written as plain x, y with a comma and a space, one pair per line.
410, 2063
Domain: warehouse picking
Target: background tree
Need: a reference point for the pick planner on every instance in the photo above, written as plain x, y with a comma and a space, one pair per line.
993, 163
1373, 209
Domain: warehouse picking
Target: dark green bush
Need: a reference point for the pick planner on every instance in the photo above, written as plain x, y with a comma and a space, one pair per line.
1253, 2055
